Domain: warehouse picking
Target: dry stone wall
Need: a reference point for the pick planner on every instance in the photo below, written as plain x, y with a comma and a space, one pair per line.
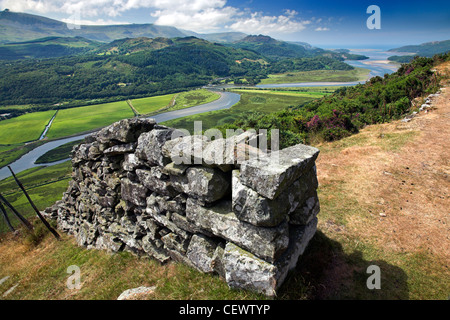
248, 221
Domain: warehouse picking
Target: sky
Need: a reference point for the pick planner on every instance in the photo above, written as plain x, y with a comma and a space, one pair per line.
327, 24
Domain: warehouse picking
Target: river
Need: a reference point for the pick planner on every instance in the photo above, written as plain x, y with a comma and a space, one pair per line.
377, 64
226, 100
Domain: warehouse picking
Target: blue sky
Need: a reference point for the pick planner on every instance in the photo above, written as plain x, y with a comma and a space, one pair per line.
321, 23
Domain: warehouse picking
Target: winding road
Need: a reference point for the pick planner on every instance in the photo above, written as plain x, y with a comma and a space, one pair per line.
226, 101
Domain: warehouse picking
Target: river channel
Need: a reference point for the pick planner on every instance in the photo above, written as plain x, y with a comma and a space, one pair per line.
376, 63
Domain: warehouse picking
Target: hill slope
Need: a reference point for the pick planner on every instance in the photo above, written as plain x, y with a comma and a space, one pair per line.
49, 47
427, 49
381, 204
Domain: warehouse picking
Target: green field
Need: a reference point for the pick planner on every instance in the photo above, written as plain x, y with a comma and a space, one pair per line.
193, 98
45, 185
251, 100
27, 127
76, 120
151, 104
59, 153
318, 76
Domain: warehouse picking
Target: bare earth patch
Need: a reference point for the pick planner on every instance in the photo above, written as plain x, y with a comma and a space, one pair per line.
389, 187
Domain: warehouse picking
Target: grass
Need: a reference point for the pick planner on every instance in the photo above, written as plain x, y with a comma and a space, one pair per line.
27, 127
59, 153
41, 272
171, 102
318, 76
45, 185
351, 236
152, 104
257, 101
193, 98
76, 120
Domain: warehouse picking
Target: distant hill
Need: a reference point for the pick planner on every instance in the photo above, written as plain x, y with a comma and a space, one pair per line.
49, 47
19, 27
273, 49
427, 49
276, 49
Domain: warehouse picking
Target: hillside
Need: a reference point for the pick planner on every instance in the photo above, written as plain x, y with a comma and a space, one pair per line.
427, 49
276, 49
49, 47
20, 27
134, 67
383, 197
124, 69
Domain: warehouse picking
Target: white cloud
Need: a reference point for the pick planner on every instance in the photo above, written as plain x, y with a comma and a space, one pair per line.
195, 15
322, 29
207, 19
98, 22
258, 23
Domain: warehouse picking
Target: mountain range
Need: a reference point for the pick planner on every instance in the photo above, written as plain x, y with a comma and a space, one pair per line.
20, 27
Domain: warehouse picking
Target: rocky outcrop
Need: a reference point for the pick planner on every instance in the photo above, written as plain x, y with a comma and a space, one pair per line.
220, 206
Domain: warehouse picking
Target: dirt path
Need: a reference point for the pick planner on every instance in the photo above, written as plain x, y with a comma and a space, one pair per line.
400, 175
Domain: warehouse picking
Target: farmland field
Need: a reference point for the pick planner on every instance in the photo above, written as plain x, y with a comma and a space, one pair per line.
24, 128
151, 104
251, 100
318, 76
76, 120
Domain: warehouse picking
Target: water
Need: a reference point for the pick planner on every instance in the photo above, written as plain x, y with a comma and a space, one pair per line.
227, 100
376, 63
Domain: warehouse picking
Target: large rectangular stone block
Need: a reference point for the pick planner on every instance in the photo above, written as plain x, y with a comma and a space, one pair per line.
250, 206
245, 270
266, 243
272, 174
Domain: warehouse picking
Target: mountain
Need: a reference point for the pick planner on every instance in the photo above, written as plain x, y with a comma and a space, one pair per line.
276, 49
217, 37
49, 47
271, 48
427, 49
20, 27
123, 69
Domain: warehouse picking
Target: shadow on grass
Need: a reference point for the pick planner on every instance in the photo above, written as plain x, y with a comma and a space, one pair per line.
326, 272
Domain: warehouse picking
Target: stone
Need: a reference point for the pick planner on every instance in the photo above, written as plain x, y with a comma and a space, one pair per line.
155, 180
131, 162
149, 148
245, 270
175, 169
109, 242
155, 248
270, 175
201, 253
225, 153
266, 243
207, 184
136, 293
253, 208
306, 212
185, 150
120, 149
126, 130
217, 260
134, 192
